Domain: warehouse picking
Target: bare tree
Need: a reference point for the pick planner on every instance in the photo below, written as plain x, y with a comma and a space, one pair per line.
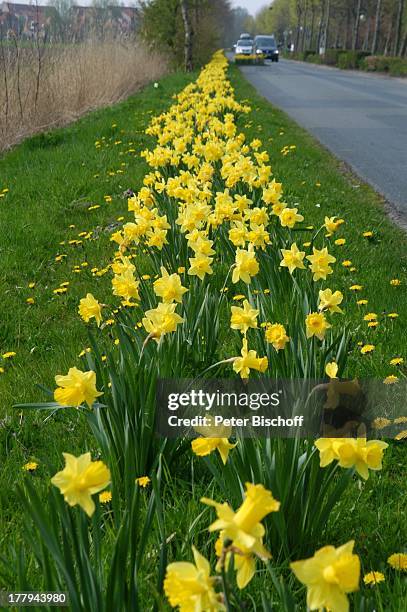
376, 33
188, 36
5, 77
312, 26
326, 25
356, 23
399, 19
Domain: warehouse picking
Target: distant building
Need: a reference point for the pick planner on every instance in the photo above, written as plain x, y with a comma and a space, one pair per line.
115, 19
29, 20
24, 19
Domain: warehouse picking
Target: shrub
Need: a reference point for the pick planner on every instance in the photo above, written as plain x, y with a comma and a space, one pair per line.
397, 66
331, 56
370, 63
309, 52
314, 58
351, 59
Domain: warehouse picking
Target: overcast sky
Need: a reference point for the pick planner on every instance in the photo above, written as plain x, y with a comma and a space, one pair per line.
251, 5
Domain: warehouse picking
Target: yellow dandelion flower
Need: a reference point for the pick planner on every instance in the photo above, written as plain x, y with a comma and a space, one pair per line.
143, 481
373, 578
398, 561
367, 348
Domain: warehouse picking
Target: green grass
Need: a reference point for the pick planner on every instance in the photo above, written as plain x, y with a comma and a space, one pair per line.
53, 179
371, 514
318, 183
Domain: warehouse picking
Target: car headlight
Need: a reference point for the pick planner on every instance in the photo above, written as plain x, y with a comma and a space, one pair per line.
276, 51
259, 52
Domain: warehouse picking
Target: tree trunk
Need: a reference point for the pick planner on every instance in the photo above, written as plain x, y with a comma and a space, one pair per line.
356, 27
399, 19
321, 23
388, 38
311, 35
403, 46
376, 33
304, 26
367, 34
337, 34
326, 28
189, 33
347, 28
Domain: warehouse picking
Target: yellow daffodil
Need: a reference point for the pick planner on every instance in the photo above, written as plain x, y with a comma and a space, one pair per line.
161, 320
246, 265
292, 258
126, 286
289, 217
243, 318
329, 300
332, 224
202, 447
329, 575
190, 587
359, 453
249, 361
76, 387
89, 308
169, 287
320, 260
316, 325
80, 479
328, 450
122, 265
331, 369
244, 527
200, 265
276, 335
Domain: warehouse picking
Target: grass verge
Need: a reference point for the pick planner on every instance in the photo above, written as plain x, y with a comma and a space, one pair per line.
56, 181
59, 187
371, 248
314, 178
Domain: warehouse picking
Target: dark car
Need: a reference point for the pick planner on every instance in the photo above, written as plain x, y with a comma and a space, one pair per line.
267, 46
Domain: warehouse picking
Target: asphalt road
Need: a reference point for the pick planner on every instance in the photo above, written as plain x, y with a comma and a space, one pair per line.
361, 118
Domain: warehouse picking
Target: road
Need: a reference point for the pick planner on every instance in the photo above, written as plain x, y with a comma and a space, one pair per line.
361, 118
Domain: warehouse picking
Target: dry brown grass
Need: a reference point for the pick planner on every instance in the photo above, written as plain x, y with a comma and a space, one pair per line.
45, 87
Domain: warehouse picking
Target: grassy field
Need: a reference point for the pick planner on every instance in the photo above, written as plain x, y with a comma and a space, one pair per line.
66, 195
60, 185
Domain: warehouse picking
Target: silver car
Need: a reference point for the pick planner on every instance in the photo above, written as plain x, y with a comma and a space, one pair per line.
244, 46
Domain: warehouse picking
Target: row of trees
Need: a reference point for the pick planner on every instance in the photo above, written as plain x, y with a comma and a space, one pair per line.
189, 31
374, 26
